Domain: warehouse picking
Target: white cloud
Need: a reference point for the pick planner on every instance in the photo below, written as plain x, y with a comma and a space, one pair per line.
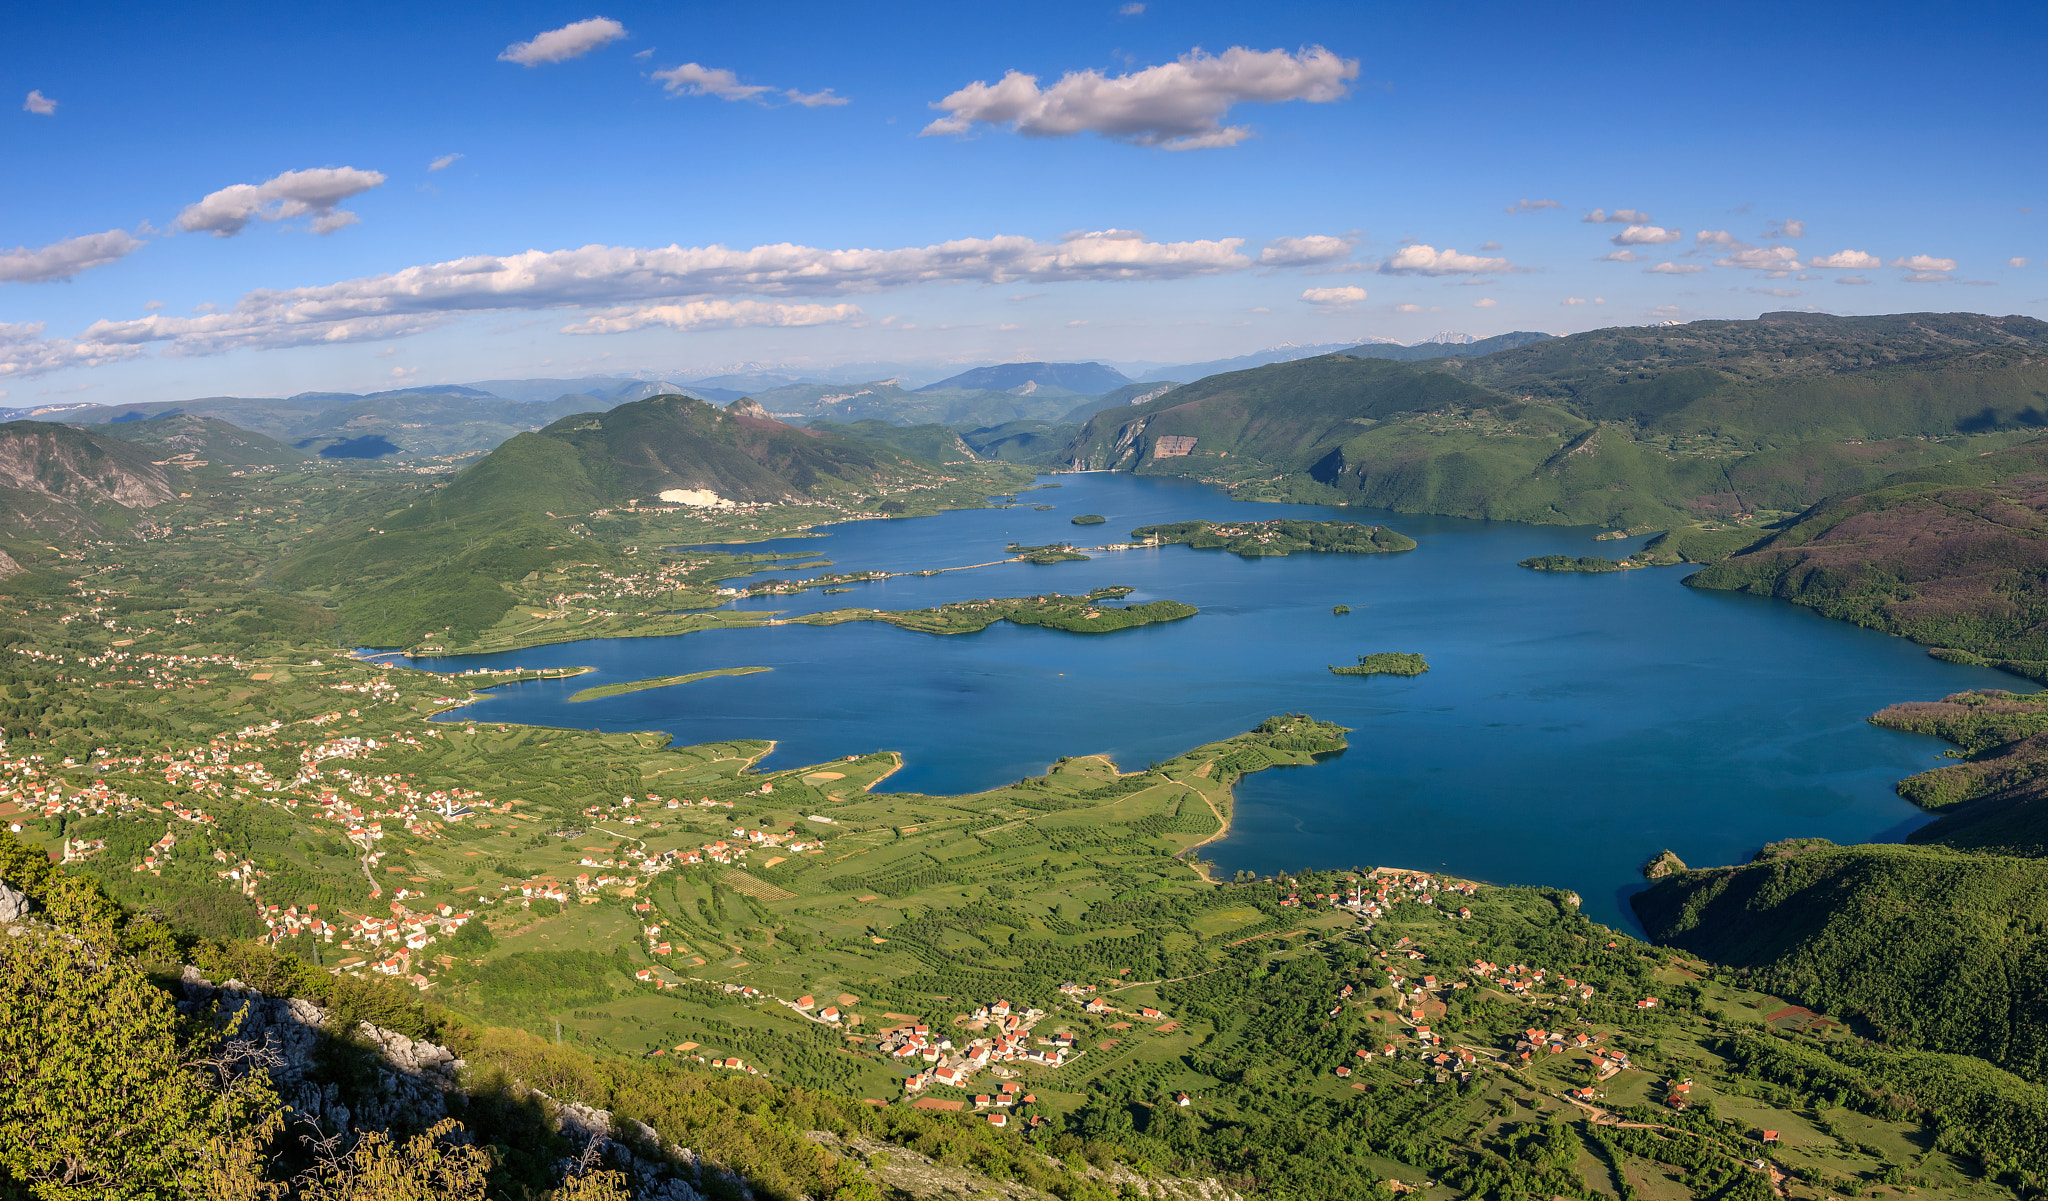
2015, 262
715, 314
573, 40
1617, 217
1305, 252
695, 79
1674, 269
1786, 229
1646, 235
1176, 106
293, 194
1761, 258
1484, 302
1132, 9
26, 354
1489, 246
819, 99
1928, 277
1924, 262
1621, 256
443, 163
1784, 292
39, 104
691, 79
1848, 260
1428, 260
1334, 299
1852, 279
1407, 308
1713, 237
1569, 301
62, 260
1530, 206
374, 308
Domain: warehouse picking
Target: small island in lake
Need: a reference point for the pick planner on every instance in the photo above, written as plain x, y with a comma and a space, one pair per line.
1052, 552
1385, 663
1090, 519
1075, 614
1585, 563
1256, 539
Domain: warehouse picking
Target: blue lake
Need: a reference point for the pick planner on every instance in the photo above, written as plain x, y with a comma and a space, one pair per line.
1571, 727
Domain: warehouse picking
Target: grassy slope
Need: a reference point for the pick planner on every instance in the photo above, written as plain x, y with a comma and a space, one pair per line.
1627, 427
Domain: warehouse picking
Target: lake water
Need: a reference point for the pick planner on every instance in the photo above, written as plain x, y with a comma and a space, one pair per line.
1571, 727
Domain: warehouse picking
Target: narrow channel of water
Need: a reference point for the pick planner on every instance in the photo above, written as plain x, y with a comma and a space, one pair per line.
1571, 727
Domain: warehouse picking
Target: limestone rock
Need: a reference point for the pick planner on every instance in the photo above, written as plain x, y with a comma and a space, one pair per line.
13, 905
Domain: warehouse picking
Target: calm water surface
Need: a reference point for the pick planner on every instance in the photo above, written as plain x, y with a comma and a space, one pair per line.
1571, 726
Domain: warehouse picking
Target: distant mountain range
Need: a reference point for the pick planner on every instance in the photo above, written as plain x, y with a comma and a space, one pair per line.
1036, 379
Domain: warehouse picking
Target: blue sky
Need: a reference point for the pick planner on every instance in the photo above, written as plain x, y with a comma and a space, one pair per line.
1251, 175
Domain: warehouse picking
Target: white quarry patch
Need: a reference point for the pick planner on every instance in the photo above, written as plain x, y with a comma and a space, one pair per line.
699, 498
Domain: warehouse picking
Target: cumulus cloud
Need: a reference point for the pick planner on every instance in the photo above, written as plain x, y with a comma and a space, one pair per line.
1617, 217
1924, 262
26, 354
1674, 269
573, 40
1484, 302
443, 163
1407, 308
1714, 237
714, 314
1761, 258
1428, 260
1621, 256
373, 308
1175, 106
39, 104
1532, 206
1334, 299
1305, 252
1786, 229
1569, 301
62, 260
1848, 260
315, 192
2016, 262
1646, 235
1928, 277
1852, 279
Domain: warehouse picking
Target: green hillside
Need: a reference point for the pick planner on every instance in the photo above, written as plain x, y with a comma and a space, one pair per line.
1629, 427
206, 439
1934, 949
933, 443
58, 479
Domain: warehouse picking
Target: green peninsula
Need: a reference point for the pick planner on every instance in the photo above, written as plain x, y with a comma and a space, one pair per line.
1257, 539
1588, 564
1087, 614
1385, 663
1051, 552
607, 690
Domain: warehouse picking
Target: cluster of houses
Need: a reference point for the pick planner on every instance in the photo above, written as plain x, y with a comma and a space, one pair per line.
1390, 887
1521, 980
409, 928
1002, 1036
292, 920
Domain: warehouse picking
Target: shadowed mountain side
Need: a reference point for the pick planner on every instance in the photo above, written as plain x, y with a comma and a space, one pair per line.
1936, 949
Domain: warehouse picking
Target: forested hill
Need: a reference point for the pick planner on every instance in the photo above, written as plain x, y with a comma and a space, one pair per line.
1635, 426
